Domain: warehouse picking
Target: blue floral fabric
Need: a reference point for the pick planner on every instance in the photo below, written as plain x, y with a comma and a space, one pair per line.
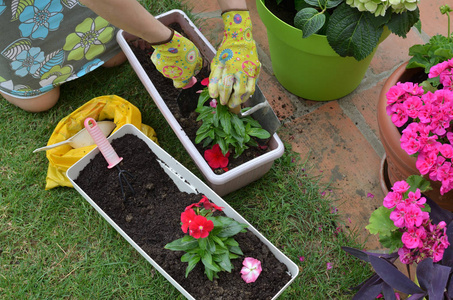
45, 43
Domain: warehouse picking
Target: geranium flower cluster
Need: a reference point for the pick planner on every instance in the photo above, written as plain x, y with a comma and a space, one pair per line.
429, 115
379, 7
421, 239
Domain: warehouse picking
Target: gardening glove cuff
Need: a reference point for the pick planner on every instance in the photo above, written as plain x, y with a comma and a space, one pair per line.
235, 68
177, 58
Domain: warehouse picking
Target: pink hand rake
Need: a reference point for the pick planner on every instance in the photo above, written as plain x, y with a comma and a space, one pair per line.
110, 155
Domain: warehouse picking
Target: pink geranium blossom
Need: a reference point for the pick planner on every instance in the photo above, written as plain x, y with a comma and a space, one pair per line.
427, 118
251, 269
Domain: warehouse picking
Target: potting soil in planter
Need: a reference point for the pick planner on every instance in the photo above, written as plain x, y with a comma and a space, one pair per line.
184, 109
152, 219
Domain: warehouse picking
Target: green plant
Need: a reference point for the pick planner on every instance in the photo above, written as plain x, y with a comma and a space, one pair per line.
210, 239
437, 50
228, 130
354, 27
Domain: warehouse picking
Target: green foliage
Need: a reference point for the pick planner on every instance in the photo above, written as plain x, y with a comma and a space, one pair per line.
380, 223
215, 251
349, 31
227, 129
437, 50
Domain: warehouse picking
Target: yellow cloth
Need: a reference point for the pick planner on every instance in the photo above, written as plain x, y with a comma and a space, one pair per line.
235, 68
101, 108
179, 60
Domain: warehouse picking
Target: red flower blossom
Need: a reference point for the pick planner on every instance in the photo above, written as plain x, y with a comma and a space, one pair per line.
209, 205
200, 227
215, 157
193, 205
186, 218
205, 81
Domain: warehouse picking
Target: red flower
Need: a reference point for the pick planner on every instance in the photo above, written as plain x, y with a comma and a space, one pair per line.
186, 218
209, 205
205, 81
200, 227
215, 157
192, 205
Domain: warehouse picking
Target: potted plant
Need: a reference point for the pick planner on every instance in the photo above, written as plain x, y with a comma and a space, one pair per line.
418, 229
168, 201
314, 42
424, 73
225, 182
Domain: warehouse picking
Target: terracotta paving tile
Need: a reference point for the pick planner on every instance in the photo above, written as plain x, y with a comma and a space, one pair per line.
366, 103
202, 6
393, 51
433, 22
338, 150
276, 95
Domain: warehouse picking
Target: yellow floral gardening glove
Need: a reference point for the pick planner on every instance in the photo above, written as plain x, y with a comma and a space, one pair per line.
235, 68
177, 58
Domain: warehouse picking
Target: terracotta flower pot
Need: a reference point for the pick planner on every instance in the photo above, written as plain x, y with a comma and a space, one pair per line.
397, 164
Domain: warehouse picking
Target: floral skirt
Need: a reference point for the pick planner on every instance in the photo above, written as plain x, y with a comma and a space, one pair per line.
45, 43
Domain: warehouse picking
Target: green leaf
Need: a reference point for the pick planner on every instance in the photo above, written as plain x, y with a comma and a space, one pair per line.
192, 263
231, 242
238, 125
401, 23
182, 244
300, 4
202, 136
210, 244
380, 222
224, 262
236, 250
205, 114
309, 20
225, 122
333, 3
223, 146
353, 33
259, 133
231, 229
418, 182
392, 241
204, 96
187, 257
203, 243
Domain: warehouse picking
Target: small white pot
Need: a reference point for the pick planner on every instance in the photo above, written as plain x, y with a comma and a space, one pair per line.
235, 178
186, 182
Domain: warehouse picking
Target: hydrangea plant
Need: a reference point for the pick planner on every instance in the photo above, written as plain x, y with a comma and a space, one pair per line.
354, 27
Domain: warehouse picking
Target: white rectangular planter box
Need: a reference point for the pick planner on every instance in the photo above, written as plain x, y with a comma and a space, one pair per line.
233, 179
186, 182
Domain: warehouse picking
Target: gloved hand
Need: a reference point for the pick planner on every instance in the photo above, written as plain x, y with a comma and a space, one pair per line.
235, 68
178, 59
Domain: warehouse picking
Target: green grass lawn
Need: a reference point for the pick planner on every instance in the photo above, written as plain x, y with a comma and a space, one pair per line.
53, 244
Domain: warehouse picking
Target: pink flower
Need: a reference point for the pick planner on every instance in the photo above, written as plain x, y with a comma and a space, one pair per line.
329, 266
392, 199
413, 237
414, 216
400, 187
215, 157
398, 215
301, 258
437, 69
251, 269
405, 255
213, 103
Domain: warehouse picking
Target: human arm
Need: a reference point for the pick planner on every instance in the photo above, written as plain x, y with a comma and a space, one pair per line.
169, 53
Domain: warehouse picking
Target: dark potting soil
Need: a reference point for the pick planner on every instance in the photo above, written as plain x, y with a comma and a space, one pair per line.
285, 10
151, 218
183, 109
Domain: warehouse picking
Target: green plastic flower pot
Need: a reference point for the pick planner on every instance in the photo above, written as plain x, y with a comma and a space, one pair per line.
310, 68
